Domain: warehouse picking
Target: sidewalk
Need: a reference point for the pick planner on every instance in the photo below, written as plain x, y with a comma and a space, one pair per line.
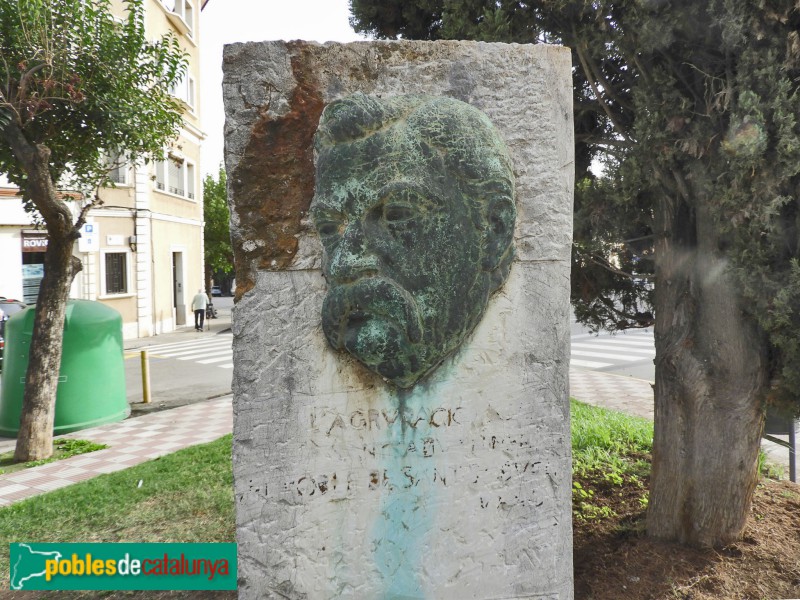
617, 392
143, 438
212, 327
130, 442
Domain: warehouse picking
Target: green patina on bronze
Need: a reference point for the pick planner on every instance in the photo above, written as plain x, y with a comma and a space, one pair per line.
414, 204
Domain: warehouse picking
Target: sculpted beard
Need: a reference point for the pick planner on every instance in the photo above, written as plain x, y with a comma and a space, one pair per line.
362, 317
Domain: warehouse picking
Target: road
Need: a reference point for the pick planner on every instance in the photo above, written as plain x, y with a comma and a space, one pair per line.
185, 366
628, 353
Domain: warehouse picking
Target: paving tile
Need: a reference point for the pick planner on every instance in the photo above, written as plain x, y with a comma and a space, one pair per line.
131, 442
50, 469
131, 462
22, 494
147, 433
70, 473
53, 484
84, 459
109, 467
170, 446
8, 489
122, 457
21, 476
83, 476
132, 450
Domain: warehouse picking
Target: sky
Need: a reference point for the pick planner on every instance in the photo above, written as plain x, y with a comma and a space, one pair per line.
227, 21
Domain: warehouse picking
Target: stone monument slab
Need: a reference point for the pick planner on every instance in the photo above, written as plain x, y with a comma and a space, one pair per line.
351, 480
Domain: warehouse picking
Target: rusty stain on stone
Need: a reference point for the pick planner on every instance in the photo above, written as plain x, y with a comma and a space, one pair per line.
274, 182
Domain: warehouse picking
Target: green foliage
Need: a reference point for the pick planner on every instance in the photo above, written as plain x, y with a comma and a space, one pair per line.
62, 448
692, 108
413, 20
82, 83
182, 497
610, 451
216, 235
768, 469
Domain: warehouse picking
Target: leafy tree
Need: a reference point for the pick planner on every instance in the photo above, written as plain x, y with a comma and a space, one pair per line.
76, 86
216, 235
693, 107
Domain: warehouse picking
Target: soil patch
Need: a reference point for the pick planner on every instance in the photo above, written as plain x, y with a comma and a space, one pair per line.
614, 561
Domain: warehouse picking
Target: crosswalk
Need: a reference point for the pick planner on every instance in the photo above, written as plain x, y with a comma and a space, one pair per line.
214, 351
588, 350
612, 350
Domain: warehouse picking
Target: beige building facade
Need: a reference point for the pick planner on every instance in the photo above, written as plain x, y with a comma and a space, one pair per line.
142, 249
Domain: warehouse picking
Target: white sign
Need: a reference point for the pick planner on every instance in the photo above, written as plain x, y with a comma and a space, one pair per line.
90, 238
115, 240
34, 244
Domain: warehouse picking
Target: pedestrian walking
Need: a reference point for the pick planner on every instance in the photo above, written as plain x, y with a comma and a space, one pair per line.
199, 304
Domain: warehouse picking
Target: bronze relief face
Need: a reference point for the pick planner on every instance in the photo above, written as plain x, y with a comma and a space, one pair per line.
414, 204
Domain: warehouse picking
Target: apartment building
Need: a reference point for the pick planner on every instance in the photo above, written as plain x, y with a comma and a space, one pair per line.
142, 250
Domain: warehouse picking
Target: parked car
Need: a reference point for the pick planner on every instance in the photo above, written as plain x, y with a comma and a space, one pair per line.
216, 290
7, 308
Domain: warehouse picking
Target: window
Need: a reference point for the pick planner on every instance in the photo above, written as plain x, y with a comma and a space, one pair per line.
161, 178
183, 90
117, 169
190, 181
181, 15
176, 176
116, 273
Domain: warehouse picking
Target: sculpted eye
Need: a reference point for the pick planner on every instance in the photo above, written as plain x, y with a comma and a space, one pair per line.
327, 228
395, 214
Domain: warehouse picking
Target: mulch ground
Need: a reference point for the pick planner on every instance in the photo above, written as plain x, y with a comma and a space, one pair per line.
614, 561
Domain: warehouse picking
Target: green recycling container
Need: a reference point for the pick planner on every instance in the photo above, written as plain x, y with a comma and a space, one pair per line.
91, 388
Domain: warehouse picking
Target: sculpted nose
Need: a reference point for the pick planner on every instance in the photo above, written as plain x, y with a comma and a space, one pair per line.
352, 259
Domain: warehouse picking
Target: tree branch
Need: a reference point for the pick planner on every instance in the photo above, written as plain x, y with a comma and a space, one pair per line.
81, 220
39, 187
587, 71
22, 88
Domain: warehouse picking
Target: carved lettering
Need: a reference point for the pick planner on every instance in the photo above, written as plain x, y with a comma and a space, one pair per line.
373, 420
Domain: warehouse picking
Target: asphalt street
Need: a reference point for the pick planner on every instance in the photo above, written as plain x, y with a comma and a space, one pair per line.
185, 366
629, 353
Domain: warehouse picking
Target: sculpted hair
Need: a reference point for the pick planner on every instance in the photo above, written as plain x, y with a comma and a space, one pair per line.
477, 156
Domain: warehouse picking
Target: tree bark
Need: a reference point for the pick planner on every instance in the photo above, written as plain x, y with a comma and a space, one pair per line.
711, 377
208, 274
35, 438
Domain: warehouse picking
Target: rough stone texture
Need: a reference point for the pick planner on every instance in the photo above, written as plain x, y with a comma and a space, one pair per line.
347, 488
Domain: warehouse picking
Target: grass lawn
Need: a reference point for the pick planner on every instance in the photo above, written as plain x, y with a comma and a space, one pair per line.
188, 497
62, 448
182, 497
610, 452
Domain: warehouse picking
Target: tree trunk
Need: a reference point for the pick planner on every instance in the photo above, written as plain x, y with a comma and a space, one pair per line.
35, 438
208, 278
711, 376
